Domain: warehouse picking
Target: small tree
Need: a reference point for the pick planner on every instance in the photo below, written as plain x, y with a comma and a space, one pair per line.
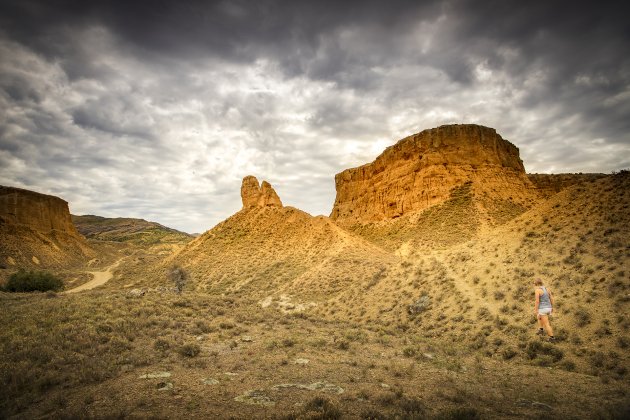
179, 277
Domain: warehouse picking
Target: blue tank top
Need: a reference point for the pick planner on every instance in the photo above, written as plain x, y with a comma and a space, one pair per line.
544, 300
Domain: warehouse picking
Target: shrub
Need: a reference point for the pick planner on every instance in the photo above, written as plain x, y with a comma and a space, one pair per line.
190, 350
499, 295
463, 413
32, 281
179, 277
537, 349
288, 342
343, 345
409, 351
324, 408
509, 353
582, 317
161, 345
413, 407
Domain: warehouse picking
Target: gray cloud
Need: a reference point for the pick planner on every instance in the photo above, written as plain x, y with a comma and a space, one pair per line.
158, 109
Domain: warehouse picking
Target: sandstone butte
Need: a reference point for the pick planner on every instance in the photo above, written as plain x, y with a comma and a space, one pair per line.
421, 170
255, 195
40, 212
37, 229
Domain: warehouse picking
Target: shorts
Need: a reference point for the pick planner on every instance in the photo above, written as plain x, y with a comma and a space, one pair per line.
544, 311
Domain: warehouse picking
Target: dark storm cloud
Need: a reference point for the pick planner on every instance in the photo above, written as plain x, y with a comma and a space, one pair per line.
158, 108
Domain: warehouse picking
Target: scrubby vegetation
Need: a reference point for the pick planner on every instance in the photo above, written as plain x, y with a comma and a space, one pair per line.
303, 319
33, 281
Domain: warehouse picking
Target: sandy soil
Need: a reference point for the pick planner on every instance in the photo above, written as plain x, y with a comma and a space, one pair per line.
99, 278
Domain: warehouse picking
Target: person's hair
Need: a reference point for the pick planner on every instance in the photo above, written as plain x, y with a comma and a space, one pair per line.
538, 282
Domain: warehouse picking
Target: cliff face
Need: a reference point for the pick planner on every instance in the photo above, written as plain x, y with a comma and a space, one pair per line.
40, 212
422, 170
551, 184
36, 230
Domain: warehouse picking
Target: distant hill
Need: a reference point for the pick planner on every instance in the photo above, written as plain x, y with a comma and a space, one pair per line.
135, 231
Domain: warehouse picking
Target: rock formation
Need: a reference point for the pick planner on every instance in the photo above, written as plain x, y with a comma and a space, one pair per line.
422, 170
255, 195
40, 212
37, 229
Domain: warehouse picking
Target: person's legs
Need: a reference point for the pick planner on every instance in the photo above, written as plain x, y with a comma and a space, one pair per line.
540, 326
544, 319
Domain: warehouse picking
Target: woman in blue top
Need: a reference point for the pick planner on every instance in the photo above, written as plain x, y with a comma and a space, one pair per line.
543, 308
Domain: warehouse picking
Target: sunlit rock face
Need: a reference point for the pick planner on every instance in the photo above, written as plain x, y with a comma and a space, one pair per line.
40, 212
36, 230
255, 195
421, 171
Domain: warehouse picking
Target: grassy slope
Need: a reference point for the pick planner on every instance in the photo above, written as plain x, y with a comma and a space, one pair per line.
135, 231
83, 355
481, 291
274, 251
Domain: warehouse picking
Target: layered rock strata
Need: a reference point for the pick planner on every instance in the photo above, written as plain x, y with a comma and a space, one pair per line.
40, 212
255, 195
421, 171
37, 230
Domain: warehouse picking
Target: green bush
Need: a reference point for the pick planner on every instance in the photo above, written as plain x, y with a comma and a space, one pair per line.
32, 281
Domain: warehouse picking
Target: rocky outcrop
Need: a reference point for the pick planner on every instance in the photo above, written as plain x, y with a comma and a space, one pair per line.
40, 212
37, 230
551, 184
423, 169
256, 195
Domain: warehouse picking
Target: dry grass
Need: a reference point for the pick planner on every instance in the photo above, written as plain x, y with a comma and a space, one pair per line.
415, 332
83, 355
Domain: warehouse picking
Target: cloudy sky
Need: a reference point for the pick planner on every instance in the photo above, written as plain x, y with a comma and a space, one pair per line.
157, 109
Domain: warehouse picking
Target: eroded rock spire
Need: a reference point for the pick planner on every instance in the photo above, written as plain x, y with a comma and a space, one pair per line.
255, 195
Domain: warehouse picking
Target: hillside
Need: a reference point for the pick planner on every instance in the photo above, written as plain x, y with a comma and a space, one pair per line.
479, 294
267, 249
121, 229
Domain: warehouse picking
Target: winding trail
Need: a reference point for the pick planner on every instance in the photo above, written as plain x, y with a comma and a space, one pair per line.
100, 278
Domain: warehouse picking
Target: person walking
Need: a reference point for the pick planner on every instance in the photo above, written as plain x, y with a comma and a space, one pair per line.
543, 308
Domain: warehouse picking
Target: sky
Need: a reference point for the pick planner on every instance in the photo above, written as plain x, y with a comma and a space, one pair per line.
157, 109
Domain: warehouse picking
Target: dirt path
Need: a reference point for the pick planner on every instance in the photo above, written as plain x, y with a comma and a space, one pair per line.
100, 278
